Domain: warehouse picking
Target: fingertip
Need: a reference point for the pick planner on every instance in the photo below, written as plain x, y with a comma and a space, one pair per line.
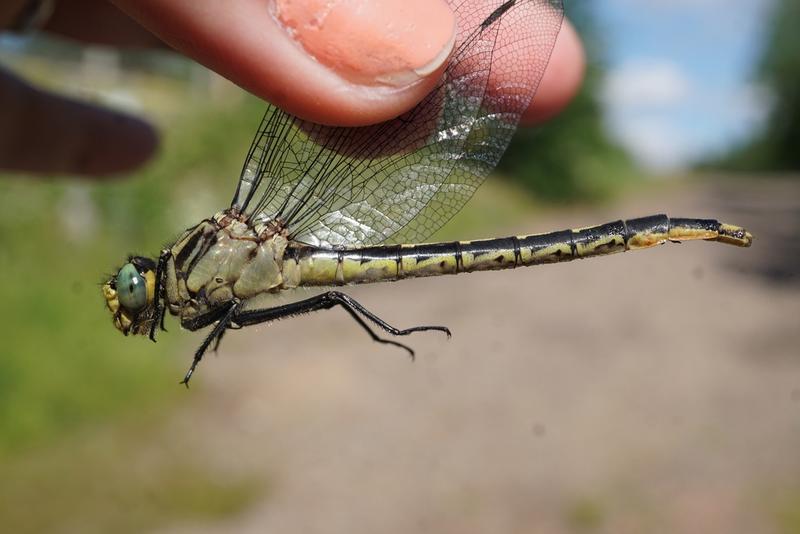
363, 61
343, 63
98, 22
52, 134
116, 143
561, 80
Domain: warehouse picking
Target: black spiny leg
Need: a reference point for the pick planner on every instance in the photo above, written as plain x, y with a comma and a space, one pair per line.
160, 305
376, 337
232, 317
217, 332
231, 326
327, 301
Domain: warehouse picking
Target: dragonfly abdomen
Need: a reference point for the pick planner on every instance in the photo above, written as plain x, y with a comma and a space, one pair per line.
396, 262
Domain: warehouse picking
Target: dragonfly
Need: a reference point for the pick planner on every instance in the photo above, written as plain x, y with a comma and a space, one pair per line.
323, 207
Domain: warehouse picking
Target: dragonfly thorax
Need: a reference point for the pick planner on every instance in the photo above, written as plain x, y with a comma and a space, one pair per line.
223, 259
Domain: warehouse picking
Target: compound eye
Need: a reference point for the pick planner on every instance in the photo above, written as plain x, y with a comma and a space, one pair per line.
131, 288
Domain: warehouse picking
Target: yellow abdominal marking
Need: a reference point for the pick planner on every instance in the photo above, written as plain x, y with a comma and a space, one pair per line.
734, 235
319, 270
433, 265
377, 269
647, 240
549, 254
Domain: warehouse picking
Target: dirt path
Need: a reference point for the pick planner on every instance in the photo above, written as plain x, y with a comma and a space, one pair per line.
645, 392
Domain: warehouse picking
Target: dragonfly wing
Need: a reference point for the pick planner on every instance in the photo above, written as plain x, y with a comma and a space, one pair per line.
401, 180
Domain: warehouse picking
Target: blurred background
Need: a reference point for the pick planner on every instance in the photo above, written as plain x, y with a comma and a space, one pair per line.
651, 392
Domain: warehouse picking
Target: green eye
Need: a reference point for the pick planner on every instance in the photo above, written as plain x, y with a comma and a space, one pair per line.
131, 288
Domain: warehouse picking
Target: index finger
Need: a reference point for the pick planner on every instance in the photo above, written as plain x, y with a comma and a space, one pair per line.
306, 56
323, 74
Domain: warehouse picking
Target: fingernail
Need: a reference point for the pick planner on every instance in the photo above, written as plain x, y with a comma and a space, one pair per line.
391, 42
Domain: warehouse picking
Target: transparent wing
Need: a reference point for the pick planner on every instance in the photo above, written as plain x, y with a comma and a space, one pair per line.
401, 180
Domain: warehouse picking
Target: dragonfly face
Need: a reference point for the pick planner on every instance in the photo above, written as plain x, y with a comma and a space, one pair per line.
130, 295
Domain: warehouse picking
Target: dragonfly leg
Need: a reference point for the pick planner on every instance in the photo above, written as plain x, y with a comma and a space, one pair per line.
233, 317
214, 336
160, 305
327, 301
376, 337
353, 306
231, 326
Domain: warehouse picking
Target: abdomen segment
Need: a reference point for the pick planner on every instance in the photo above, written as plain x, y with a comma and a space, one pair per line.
394, 262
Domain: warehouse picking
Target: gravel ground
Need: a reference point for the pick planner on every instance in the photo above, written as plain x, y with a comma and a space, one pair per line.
656, 391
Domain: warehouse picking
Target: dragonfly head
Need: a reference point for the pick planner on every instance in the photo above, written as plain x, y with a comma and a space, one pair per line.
130, 295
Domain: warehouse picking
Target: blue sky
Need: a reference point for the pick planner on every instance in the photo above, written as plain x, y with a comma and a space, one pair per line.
680, 82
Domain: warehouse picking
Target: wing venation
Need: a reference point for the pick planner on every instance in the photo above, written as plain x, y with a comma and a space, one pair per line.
401, 180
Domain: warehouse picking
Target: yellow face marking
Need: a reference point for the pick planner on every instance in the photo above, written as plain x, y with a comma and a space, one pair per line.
122, 322
150, 284
110, 295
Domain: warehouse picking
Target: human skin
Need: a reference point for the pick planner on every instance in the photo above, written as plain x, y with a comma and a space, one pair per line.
350, 71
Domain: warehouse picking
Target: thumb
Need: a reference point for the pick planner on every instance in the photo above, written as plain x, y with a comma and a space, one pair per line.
347, 63
46, 133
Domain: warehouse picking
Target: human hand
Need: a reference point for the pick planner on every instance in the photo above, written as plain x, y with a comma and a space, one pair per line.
45, 133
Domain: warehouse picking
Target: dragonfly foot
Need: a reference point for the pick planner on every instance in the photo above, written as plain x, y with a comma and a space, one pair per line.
411, 330
411, 353
187, 377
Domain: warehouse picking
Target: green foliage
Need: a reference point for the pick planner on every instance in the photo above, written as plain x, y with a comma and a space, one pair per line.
65, 370
776, 147
117, 480
64, 365
571, 157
